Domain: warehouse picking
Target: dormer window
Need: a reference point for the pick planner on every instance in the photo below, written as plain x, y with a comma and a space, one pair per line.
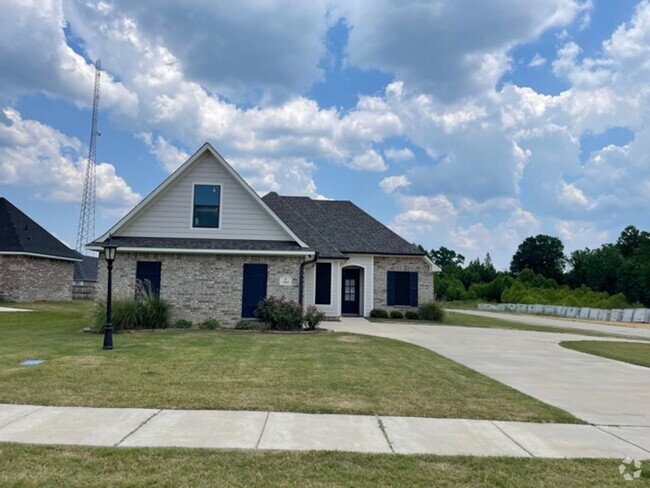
207, 201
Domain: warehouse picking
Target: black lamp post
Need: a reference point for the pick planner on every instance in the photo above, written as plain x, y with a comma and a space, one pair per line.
109, 254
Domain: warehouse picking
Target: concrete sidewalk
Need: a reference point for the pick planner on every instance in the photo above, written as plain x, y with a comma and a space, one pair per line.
632, 330
132, 427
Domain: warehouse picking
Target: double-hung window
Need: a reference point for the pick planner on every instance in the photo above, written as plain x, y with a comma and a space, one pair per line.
207, 202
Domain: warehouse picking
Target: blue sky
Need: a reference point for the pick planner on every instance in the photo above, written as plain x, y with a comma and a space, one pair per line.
460, 123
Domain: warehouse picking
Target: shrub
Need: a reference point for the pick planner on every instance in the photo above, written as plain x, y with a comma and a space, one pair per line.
396, 314
148, 312
246, 325
312, 317
182, 324
412, 315
379, 313
210, 324
280, 314
432, 311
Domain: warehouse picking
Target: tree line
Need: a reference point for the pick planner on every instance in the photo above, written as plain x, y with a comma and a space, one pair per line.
615, 275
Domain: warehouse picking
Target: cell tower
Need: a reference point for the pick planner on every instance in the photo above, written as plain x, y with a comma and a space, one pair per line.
86, 231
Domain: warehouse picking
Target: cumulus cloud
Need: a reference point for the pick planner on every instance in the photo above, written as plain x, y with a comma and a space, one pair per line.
537, 61
368, 161
52, 164
394, 154
391, 183
168, 155
445, 41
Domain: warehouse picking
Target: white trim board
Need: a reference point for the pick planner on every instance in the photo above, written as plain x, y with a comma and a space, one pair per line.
168, 250
37, 255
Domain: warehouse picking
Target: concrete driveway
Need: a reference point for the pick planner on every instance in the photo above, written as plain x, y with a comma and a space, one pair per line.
598, 390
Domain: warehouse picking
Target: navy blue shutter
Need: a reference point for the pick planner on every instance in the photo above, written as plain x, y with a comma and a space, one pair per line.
413, 287
254, 288
390, 299
323, 283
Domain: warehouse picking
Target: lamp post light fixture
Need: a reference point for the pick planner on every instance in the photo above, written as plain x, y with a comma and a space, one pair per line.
110, 252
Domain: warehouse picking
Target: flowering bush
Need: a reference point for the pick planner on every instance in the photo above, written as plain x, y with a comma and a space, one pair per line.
313, 317
281, 314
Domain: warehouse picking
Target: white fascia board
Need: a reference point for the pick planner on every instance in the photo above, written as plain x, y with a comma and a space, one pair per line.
207, 147
37, 255
167, 250
434, 267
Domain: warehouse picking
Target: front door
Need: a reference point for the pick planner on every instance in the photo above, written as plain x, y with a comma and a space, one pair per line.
254, 287
350, 291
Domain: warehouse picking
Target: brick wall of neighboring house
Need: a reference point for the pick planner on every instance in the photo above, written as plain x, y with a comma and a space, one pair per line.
200, 287
383, 264
27, 279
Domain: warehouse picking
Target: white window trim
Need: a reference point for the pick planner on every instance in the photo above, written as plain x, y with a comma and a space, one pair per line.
204, 183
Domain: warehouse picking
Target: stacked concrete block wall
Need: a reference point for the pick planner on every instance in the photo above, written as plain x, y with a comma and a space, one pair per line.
638, 315
383, 264
200, 287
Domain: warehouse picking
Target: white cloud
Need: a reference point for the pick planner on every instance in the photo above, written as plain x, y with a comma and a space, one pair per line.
53, 164
403, 154
391, 183
368, 161
436, 46
537, 61
169, 156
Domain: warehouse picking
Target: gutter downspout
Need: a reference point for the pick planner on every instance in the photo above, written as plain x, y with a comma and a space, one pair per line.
301, 277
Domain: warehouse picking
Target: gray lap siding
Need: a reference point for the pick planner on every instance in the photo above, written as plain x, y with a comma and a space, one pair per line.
383, 264
200, 287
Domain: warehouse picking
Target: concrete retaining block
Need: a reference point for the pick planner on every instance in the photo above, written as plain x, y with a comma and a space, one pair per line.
628, 314
521, 308
550, 310
616, 315
593, 313
502, 307
584, 312
571, 312
640, 315
604, 315
538, 309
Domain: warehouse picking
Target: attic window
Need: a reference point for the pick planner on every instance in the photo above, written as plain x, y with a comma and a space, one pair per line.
207, 201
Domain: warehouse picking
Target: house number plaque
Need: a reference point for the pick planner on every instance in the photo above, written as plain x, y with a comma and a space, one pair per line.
285, 280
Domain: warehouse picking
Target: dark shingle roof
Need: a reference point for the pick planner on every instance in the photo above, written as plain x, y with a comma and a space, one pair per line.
86, 270
202, 244
20, 234
335, 228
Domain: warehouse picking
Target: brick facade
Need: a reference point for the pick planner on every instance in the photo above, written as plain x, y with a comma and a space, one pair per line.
200, 287
383, 264
27, 278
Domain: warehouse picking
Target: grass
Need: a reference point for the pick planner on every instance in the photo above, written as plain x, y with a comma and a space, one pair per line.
629, 352
324, 373
35, 466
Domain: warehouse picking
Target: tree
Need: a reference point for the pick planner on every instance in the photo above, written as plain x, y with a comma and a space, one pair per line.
542, 254
444, 257
598, 269
630, 240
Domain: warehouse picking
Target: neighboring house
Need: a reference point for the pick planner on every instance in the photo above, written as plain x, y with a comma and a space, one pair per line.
34, 265
85, 278
211, 247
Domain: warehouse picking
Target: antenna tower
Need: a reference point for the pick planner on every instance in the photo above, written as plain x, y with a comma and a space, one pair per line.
86, 231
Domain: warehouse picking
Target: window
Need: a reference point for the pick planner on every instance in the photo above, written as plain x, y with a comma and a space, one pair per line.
402, 288
207, 200
147, 275
323, 283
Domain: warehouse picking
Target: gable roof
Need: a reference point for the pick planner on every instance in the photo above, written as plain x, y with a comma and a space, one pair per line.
336, 228
19, 234
176, 175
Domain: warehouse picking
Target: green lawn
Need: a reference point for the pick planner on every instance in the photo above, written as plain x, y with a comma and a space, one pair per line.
36, 466
327, 373
629, 352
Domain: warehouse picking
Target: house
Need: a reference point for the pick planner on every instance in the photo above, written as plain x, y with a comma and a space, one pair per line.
34, 265
85, 278
210, 246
